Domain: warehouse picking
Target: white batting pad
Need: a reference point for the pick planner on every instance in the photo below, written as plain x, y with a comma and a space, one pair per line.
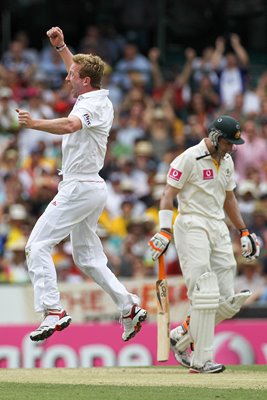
205, 302
231, 306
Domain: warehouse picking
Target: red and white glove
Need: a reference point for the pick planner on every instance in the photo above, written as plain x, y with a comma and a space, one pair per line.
159, 243
250, 247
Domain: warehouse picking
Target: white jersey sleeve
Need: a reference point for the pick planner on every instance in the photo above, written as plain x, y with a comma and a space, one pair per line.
180, 170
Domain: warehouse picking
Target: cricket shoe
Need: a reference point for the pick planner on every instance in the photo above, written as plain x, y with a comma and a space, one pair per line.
208, 368
132, 322
53, 321
182, 357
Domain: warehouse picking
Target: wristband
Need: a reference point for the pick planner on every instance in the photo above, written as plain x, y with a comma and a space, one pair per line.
244, 232
60, 48
165, 219
166, 234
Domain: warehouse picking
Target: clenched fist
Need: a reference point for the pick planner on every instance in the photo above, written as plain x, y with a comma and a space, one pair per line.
56, 36
24, 118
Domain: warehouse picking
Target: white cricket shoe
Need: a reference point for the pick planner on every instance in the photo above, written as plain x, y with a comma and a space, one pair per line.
208, 368
132, 322
182, 357
53, 321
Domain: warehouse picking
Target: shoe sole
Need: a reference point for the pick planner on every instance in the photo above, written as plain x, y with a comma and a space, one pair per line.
214, 371
49, 332
137, 327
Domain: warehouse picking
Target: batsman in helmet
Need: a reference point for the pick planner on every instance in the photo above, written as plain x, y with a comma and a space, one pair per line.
202, 179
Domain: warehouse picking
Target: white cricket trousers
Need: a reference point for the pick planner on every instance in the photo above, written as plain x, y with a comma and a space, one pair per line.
75, 210
204, 245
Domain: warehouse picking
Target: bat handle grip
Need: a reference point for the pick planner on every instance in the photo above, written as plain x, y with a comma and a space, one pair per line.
161, 273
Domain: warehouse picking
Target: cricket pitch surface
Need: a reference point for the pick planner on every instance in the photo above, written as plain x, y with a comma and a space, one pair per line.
233, 377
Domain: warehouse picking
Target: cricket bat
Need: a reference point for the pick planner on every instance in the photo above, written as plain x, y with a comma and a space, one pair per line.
163, 314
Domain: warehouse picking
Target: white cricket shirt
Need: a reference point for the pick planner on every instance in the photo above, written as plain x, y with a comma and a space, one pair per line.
83, 152
202, 185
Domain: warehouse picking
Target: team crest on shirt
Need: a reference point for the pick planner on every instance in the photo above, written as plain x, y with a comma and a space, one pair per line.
175, 174
208, 174
86, 118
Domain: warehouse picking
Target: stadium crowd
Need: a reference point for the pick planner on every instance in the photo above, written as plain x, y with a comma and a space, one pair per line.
159, 112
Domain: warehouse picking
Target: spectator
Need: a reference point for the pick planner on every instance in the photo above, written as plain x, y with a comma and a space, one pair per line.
160, 130
28, 138
250, 277
8, 119
18, 231
194, 131
231, 67
17, 262
52, 66
18, 60
252, 153
199, 108
247, 194
203, 66
175, 89
132, 62
129, 131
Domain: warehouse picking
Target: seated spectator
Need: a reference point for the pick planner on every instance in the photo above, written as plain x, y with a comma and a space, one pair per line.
199, 108
160, 131
65, 267
31, 53
115, 92
19, 61
250, 277
237, 110
9, 160
13, 188
252, 153
8, 116
247, 195
209, 94
259, 224
17, 261
128, 131
193, 131
37, 170
17, 226
5, 273
132, 61
29, 138
112, 247
52, 66
135, 260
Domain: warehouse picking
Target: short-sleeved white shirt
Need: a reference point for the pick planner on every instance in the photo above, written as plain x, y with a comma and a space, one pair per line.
202, 185
83, 152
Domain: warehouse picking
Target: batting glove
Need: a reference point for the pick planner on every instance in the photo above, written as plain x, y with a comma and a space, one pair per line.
159, 243
250, 247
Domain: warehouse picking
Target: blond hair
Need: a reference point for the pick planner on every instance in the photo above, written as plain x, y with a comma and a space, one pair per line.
92, 66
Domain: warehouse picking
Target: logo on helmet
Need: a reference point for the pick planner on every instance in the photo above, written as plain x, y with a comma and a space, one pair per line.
237, 135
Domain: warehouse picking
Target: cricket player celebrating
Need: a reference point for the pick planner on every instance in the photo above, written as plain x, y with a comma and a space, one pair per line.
81, 197
202, 178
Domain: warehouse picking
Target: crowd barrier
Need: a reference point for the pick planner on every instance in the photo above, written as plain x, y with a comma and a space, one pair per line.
94, 337
99, 344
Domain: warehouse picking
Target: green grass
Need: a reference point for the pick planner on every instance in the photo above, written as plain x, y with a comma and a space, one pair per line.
12, 391
230, 385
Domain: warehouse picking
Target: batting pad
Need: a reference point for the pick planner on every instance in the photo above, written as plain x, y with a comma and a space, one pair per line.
205, 302
228, 308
